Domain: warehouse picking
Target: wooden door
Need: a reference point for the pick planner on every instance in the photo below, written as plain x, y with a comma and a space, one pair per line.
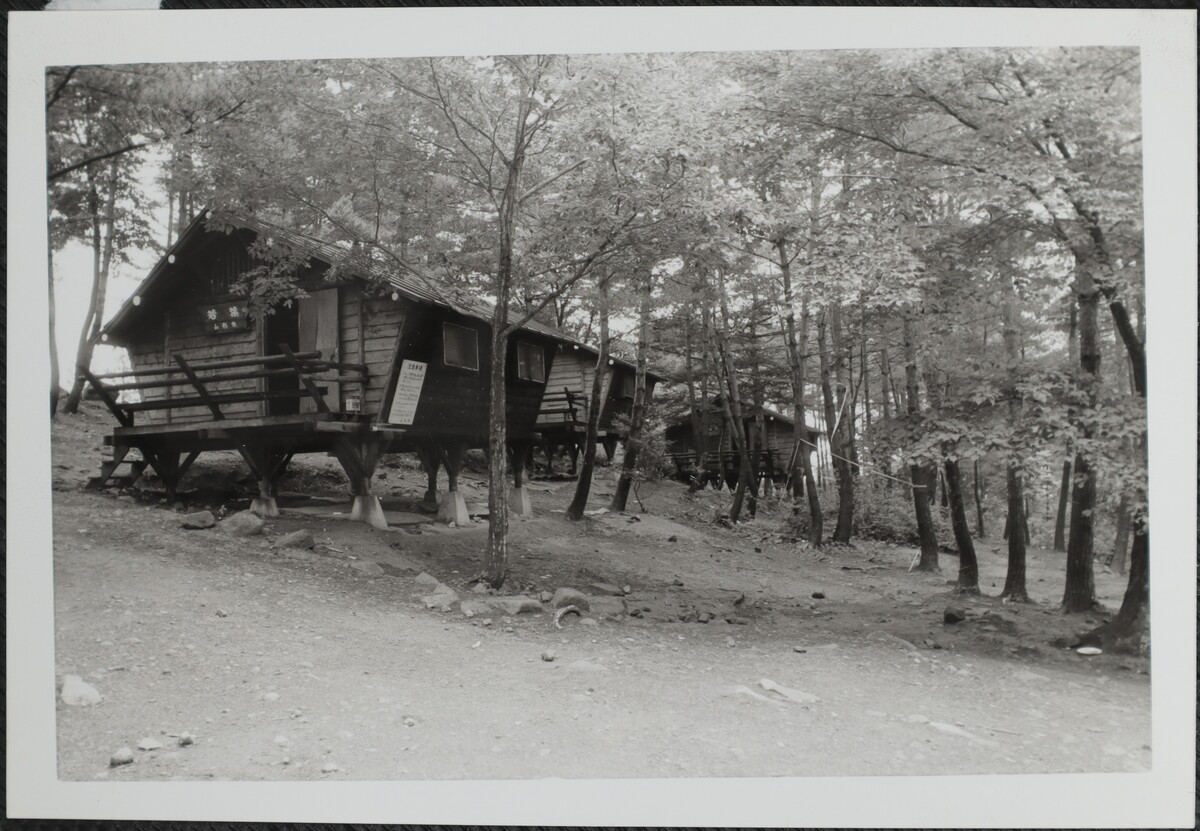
319, 332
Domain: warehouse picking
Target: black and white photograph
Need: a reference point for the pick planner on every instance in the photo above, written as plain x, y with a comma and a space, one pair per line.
745, 422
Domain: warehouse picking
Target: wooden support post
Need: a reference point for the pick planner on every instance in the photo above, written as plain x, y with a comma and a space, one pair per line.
549, 448
258, 460
609, 443
200, 388
430, 460
518, 497
452, 508
122, 417
573, 449
359, 455
313, 390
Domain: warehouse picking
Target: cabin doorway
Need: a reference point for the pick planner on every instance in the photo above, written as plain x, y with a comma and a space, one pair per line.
282, 328
319, 332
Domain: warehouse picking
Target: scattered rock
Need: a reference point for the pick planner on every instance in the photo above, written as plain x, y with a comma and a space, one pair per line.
589, 621
635, 613
953, 614
222, 613
818, 595
367, 567
149, 743
608, 588
548, 656
426, 581
788, 693
329, 767
545, 597
409, 721
570, 597
1090, 650
480, 588
185, 739
198, 520
799, 649
443, 598
123, 756
487, 621
729, 641
517, 604
736, 621
704, 617
79, 693
297, 539
672, 538
242, 524
676, 582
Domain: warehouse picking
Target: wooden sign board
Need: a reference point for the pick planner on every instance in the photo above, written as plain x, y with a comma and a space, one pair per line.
408, 392
225, 317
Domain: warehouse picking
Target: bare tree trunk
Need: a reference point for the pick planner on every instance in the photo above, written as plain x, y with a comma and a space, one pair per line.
699, 428
920, 489
1079, 594
835, 429
633, 440
583, 485
732, 407
1014, 582
101, 261
54, 377
1064, 500
968, 564
495, 559
978, 488
1121, 543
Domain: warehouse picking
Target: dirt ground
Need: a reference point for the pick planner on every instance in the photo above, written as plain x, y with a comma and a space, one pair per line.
287, 663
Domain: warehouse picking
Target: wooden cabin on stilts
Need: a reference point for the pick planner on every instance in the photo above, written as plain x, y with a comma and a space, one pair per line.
363, 362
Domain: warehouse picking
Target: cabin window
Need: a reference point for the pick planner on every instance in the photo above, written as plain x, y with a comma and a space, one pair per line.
460, 346
628, 385
531, 362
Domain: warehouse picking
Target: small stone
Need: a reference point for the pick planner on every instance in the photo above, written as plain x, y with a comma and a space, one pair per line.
607, 588
818, 595
545, 597
243, 524
729, 641
672, 538
953, 614
426, 581
736, 620
487, 621
185, 739
799, 649
297, 539
149, 743
443, 598
409, 721
480, 588
271, 696
79, 693
367, 567
704, 617
222, 613
676, 582
198, 520
589, 621
570, 597
123, 756
548, 656
516, 604
329, 767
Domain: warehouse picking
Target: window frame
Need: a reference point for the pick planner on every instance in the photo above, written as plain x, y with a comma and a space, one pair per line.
447, 326
541, 351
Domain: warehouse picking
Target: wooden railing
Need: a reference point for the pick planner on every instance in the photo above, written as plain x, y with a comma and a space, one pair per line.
199, 377
572, 407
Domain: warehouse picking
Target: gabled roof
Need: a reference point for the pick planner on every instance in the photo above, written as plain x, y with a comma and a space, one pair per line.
411, 286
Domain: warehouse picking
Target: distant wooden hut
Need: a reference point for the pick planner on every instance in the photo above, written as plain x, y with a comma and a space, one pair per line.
369, 363
768, 433
562, 423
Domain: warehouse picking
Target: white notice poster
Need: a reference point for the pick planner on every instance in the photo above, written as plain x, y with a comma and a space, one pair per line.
408, 392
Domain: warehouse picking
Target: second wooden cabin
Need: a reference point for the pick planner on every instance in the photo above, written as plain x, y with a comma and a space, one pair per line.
768, 433
384, 362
